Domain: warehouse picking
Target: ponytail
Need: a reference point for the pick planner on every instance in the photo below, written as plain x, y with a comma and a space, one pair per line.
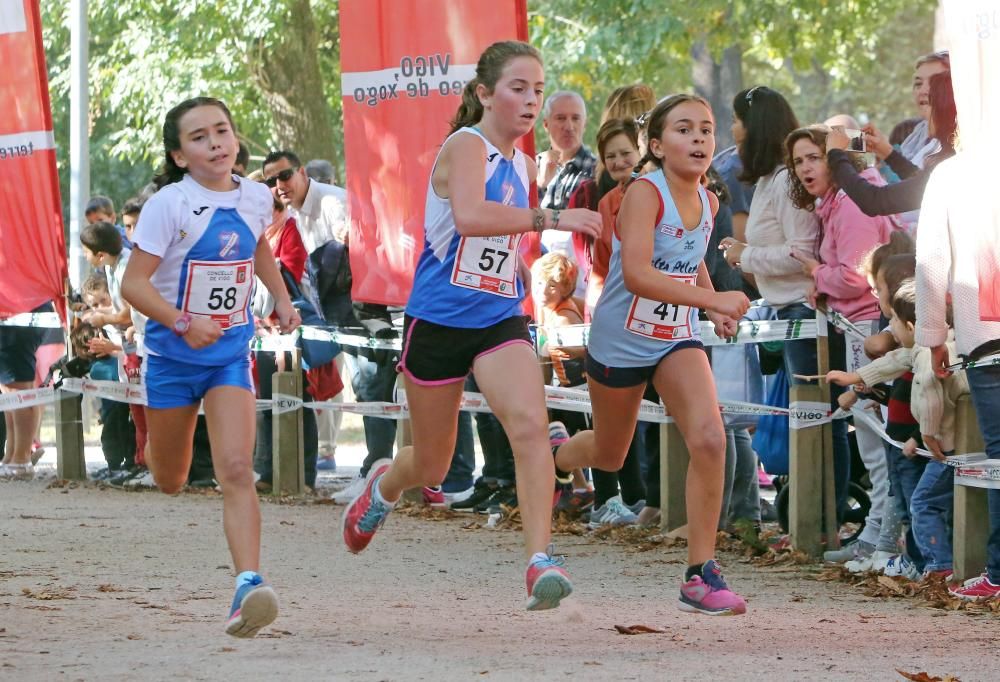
169, 173
637, 171
470, 111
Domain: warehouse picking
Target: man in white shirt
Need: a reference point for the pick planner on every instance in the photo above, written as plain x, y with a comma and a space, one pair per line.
320, 210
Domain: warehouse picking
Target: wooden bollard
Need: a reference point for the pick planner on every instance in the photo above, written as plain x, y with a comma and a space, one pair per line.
971, 521
288, 442
71, 464
674, 460
810, 478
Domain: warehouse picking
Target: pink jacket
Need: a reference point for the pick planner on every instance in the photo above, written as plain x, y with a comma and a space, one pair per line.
848, 235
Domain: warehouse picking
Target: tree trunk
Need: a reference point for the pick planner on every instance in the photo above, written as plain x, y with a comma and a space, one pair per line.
290, 80
718, 83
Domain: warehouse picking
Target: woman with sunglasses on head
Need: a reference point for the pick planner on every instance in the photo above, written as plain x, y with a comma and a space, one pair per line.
762, 118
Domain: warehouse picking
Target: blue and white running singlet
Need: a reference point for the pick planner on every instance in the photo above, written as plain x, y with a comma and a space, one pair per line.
471, 281
207, 241
631, 331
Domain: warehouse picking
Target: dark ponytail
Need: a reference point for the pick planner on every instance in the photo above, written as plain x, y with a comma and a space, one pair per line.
488, 70
170, 172
470, 111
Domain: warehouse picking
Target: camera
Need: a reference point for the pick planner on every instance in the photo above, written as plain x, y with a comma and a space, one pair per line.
857, 143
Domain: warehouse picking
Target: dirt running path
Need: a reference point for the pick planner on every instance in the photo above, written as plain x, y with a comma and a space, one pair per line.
99, 584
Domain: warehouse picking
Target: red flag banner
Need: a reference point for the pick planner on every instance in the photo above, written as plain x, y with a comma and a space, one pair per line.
404, 65
32, 245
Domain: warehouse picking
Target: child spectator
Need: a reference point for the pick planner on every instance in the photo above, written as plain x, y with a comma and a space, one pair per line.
102, 209
117, 435
932, 407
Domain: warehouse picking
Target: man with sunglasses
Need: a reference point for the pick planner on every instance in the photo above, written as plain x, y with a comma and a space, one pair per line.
320, 210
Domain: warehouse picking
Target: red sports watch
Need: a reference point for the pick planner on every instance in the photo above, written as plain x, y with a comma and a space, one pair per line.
182, 324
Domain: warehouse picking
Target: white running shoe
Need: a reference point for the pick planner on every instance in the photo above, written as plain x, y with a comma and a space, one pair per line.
612, 513
876, 562
901, 566
354, 488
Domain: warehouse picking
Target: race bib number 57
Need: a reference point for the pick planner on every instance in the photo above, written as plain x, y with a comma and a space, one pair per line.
219, 291
487, 264
659, 320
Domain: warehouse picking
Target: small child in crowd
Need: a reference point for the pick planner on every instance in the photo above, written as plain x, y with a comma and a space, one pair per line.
932, 409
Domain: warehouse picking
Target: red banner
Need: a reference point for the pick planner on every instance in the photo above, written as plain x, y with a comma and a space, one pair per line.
404, 65
32, 245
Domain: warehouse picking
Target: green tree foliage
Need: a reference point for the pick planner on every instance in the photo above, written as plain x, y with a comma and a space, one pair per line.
827, 56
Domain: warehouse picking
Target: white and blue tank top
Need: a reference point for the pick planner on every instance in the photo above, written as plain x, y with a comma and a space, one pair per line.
471, 282
631, 331
207, 241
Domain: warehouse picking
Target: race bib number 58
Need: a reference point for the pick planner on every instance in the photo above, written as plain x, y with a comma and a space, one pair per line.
487, 264
659, 320
219, 291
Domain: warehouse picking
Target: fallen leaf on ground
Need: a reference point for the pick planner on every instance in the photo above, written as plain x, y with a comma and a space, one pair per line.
924, 677
637, 630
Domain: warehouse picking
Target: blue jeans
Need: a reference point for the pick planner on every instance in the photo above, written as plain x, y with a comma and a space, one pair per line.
800, 356
463, 462
741, 491
931, 511
904, 474
374, 382
984, 383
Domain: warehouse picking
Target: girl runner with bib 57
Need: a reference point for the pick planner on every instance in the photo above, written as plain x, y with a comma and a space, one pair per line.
199, 244
645, 328
464, 312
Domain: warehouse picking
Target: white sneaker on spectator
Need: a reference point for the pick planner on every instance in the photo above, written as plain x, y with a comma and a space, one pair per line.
143, 480
460, 496
876, 562
901, 566
353, 489
612, 513
858, 549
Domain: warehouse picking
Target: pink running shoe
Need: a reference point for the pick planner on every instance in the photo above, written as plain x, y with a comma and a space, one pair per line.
976, 590
548, 583
710, 594
365, 515
434, 497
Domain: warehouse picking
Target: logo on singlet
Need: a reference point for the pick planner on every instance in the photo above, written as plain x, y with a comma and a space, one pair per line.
508, 194
489, 159
229, 241
689, 245
672, 231
183, 235
200, 210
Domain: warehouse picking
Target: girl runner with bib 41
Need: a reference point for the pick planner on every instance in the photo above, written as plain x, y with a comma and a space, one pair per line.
645, 328
199, 243
464, 311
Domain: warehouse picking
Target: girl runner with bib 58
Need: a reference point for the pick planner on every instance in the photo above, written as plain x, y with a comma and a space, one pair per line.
199, 244
464, 312
645, 328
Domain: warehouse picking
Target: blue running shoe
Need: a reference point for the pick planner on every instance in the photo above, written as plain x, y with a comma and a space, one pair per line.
254, 606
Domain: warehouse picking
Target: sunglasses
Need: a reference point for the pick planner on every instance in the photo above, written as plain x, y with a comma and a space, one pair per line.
284, 176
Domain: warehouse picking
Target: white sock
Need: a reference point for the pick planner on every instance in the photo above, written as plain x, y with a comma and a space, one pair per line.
538, 556
377, 495
244, 578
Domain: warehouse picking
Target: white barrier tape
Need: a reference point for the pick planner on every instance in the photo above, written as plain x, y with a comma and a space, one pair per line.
844, 325
117, 391
804, 414
40, 320
986, 361
749, 331
984, 474
17, 400
975, 458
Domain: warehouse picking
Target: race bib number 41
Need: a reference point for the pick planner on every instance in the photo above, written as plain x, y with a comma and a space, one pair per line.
659, 320
220, 291
487, 264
